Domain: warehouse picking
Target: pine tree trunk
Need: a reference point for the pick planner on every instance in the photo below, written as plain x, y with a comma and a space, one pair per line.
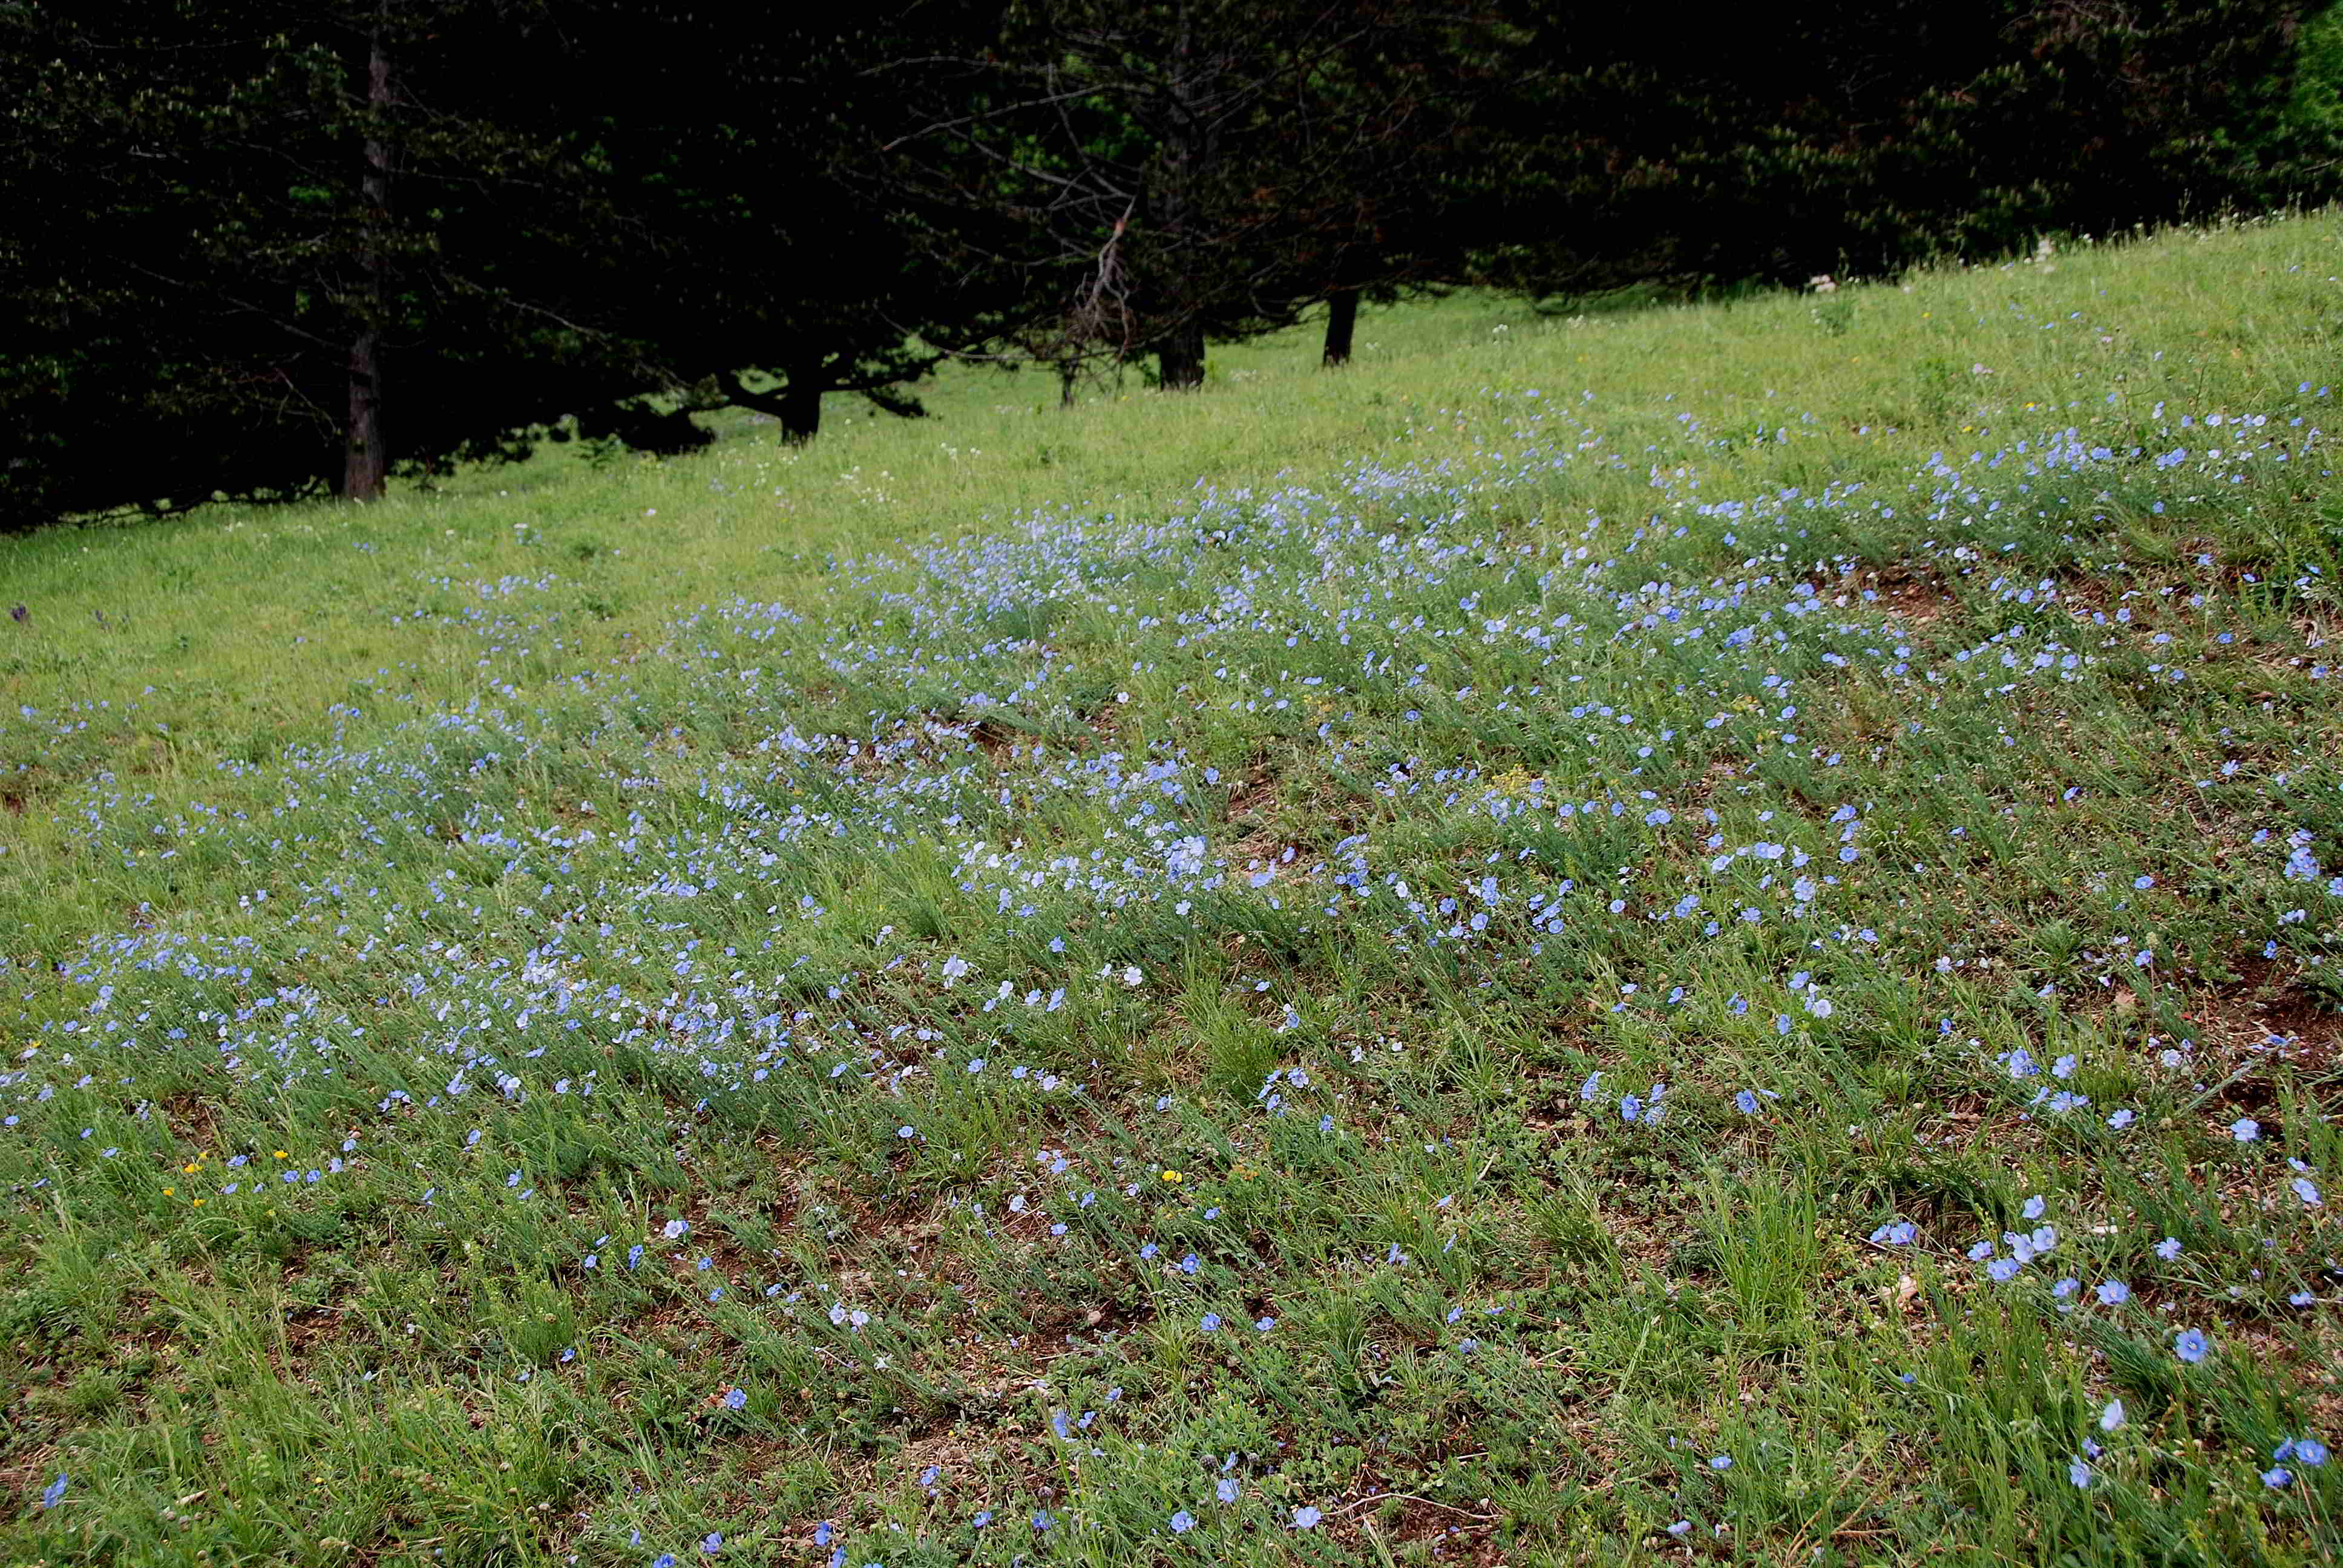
1180, 359
800, 405
1341, 324
367, 461
1186, 150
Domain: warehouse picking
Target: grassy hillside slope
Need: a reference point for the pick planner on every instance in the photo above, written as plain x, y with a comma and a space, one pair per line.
1700, 935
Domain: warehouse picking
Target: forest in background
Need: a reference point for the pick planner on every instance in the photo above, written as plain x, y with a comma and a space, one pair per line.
265, 250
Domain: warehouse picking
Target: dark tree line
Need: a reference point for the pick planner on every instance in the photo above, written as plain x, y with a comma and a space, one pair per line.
271, 248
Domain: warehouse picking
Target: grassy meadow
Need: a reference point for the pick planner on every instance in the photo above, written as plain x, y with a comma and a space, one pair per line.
1701, 934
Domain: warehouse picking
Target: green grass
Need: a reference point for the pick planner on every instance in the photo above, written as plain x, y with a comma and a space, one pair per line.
1517, 866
